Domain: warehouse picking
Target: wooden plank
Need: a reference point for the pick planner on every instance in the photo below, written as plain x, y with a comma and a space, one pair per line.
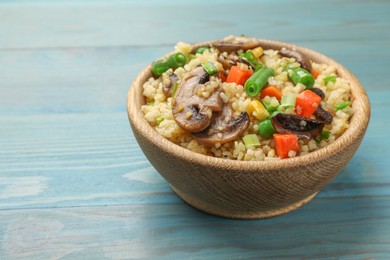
120, 23
344, 228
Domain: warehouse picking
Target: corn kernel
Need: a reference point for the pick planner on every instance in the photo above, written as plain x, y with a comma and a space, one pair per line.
257, 52
257, 109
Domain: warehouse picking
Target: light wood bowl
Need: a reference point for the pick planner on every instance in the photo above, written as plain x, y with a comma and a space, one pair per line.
249, 190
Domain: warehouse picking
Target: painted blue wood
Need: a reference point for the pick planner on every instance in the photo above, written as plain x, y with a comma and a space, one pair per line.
75, 184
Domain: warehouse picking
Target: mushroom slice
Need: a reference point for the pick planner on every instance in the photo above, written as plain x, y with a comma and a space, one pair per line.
304, 128
318, 92
322, 115
305, 63
232, 44
191, 111
223, 127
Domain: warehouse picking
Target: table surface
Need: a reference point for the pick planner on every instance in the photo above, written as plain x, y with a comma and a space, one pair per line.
74, 183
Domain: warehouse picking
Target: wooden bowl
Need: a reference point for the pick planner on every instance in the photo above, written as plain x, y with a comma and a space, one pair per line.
249, 190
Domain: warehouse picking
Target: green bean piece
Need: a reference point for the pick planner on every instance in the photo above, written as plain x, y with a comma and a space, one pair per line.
257, 81
250, 57
273, 114
177, 60
300, 75
328, 79
343, 105
159, 67
209, 68
200, 50
259, 67
266, 129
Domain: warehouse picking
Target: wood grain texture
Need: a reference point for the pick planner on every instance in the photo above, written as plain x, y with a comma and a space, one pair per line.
74, 183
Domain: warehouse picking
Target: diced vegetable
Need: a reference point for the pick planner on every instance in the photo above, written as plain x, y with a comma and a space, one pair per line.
343, 105
257, 81
159, 67
266, 128
222, 75
315, 73
306, 103
256, 109
177, 60
273, 114
200, 50
159, 120
271, 91
286, 145
259, 67
237, 75
250, 57
289, 66
258, 52
328, 79
174, 61
251, 140
175, 86
288, 100
209, 68
270, 103
300, 75
324, 135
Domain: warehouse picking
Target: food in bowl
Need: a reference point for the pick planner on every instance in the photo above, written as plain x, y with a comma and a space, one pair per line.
236, 99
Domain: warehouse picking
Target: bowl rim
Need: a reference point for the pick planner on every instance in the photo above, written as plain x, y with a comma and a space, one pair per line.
358, 122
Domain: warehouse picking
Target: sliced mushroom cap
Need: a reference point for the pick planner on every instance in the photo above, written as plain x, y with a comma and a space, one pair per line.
223, 127
302, 127
305, 63
191, 111
232, 44
318, 92
322, 115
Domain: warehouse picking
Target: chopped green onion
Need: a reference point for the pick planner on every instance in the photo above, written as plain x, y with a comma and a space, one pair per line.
300, 75
159, 119
257, 81
288, 100
175, 86
328, 79
209, 68
151, 104
271, 104
200, 50
251, 140
324, 135
266, 129
343, 105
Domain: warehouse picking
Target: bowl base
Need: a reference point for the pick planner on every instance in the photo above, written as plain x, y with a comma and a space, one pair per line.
249, 215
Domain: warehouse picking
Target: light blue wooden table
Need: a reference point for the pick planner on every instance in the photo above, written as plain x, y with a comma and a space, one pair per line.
75, 185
